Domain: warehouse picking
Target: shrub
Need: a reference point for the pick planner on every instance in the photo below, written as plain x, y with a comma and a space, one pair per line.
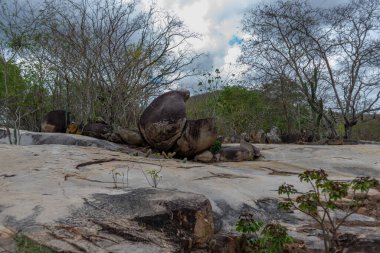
322, 200
257, 237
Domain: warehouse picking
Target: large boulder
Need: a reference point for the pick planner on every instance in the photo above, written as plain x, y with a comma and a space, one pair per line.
55, 121
197, 136
162, 122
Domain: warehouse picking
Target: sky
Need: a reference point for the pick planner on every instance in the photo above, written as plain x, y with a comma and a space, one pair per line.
219, 24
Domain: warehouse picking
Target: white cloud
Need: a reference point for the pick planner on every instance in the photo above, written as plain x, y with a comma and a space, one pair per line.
217, 21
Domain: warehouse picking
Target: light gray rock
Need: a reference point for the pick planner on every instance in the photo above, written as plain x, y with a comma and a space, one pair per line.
273, 136
45, 195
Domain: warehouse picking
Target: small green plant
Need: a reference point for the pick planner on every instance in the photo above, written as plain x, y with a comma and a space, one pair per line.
257, 237
155, 176
216, 147
321, 202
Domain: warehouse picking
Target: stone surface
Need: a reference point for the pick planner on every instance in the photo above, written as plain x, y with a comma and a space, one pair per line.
145, 218
46, 195
33, 138
197, 136
162, 122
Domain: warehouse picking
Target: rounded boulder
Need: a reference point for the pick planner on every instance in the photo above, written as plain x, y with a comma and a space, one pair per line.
162, 122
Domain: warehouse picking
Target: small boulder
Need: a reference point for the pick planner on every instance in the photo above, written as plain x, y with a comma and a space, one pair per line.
114, 137
198, 135
55, 121
258, 136
291, 138
73, 128
130, 137
234, 154
204, 157
244, 152
97, 130
273, 136
253, 151
244, 137
162, 122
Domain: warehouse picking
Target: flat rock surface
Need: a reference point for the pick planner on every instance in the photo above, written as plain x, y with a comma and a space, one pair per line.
41, 185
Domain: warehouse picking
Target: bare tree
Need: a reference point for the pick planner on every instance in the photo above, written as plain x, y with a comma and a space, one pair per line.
109, 58
330, 53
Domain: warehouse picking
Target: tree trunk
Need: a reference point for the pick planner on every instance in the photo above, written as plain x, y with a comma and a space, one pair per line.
348, 129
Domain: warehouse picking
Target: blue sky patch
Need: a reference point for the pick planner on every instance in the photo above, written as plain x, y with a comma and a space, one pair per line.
235, 40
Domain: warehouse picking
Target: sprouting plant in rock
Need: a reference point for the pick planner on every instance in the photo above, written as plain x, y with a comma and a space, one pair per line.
115, 174
118, 172
216, 147
154, 177
261, 238
324, 200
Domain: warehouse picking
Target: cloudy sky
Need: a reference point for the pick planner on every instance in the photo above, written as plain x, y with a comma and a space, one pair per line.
218, 22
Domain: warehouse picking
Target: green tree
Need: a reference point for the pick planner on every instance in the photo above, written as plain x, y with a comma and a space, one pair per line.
238, 108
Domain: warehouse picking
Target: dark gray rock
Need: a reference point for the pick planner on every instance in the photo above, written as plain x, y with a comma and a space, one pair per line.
97, 130
235, 154
244, 152
55, 121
